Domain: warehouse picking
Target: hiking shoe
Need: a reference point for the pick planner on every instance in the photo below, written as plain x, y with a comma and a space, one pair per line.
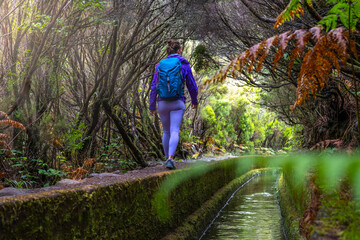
170, 164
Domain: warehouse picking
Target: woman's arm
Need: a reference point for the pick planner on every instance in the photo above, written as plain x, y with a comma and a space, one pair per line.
153, 93
192, 87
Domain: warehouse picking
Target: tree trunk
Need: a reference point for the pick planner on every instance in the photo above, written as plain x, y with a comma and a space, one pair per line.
135, 151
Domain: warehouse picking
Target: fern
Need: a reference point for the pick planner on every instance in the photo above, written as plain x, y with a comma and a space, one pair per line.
88, 163
4, 136
294, 9
10, 123
6, 122
78, 174
341, 11
330, 50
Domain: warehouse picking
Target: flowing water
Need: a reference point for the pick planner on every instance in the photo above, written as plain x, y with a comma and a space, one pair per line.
252, 213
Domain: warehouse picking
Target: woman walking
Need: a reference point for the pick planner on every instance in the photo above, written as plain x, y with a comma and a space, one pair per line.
167, 88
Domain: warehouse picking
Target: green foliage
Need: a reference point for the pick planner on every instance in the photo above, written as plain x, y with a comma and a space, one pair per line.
340, 214
340, 11
30, 173
51, 172
20, 184
40, 22
232, 116
111, 158
73, 137
94, 4
213, 127
203, 60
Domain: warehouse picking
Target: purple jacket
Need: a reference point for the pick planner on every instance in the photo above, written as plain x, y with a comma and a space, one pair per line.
186, 73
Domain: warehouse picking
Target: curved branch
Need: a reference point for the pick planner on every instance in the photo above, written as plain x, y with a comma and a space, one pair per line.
268, 20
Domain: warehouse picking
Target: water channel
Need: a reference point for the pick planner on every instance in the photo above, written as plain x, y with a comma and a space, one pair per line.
251, 213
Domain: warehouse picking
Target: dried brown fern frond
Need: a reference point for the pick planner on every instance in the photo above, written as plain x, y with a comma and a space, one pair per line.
268, 43
11, 123
88, 163
302, 39
4, 136
78, 174
57, 143
6, 122
331, 50
4, 115
284, 39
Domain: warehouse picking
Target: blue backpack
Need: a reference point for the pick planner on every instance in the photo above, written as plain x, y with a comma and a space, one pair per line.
169, 79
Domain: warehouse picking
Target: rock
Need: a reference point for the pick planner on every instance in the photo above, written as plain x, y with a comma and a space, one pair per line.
101, 175
10, 191
93, 175
67, 182
154, 164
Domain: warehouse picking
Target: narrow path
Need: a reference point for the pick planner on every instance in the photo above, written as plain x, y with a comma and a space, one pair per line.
252, 213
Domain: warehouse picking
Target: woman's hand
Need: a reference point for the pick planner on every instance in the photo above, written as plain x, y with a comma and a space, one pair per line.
152, 112
193, 106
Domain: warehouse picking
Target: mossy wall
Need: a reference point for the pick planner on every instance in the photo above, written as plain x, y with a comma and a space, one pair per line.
289, 213
292, 208
123, 210
297, 188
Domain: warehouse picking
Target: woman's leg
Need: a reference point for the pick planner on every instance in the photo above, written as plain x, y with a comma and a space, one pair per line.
175, 123
171, 113
164, 113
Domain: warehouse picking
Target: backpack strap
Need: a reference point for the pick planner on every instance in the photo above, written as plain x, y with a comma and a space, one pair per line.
158, 77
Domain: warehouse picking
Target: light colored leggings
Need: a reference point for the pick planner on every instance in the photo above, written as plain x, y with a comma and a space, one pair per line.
171, 114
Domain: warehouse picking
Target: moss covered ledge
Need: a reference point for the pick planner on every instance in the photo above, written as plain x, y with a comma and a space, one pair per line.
121, 210
291, 216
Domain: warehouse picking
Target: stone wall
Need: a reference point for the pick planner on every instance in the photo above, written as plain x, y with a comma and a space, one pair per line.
148, 208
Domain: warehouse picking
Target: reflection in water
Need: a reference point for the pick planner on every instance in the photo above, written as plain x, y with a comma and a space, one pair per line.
252, 213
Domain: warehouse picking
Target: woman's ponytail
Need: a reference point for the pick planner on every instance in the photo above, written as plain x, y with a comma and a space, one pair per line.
172, 47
